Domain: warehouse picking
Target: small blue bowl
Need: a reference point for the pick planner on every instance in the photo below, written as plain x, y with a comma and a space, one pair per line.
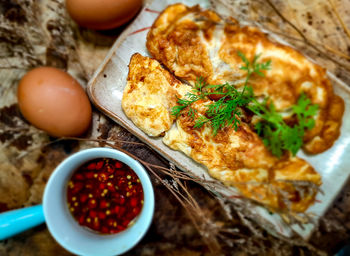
77, 239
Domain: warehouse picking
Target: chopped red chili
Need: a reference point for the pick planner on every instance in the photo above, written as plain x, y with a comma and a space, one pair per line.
105, 195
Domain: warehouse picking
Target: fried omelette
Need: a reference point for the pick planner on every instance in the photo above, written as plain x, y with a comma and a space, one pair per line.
149, 106
235, 157
194, 43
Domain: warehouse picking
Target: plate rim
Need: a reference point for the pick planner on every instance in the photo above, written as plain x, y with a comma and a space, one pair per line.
146, 139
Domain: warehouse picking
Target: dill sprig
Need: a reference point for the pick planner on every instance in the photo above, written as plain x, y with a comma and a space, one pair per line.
253, 67
276, 134
191, 97
227, 110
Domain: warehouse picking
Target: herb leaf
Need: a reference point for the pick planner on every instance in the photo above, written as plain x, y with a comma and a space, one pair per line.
220, 114
305, 111
226, 111
276, 134
274, 131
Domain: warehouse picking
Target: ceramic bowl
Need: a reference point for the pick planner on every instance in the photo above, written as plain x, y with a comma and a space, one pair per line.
78, 239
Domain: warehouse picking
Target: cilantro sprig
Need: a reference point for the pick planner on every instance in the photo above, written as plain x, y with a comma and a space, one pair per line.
276, 134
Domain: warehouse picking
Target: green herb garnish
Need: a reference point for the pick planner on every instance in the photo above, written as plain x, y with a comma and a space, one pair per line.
227, 110
192, 97
276, 134
274, 131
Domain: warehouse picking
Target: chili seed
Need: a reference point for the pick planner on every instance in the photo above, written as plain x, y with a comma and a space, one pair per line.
105, 187
118, 165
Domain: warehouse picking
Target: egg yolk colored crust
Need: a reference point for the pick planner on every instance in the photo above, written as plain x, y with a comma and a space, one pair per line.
193, 43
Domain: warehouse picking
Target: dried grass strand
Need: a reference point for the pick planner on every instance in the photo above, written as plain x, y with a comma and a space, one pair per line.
306, 40
177, 176
209, 231
334, 8
188, 202
327, 47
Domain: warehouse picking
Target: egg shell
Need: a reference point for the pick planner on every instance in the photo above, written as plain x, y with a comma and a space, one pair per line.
102, 14
54, 101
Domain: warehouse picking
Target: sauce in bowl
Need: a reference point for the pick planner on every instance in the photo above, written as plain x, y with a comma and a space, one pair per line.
105, 195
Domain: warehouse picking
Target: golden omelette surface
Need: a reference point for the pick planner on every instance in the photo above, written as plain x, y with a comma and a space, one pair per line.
196, 43
149, 95
235, 157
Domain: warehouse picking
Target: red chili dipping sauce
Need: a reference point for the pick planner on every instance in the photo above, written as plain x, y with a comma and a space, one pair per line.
105, 195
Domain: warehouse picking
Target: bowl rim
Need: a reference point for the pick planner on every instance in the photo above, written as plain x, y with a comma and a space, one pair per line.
77, 239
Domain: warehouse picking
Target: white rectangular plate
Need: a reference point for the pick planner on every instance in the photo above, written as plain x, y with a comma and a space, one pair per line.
105, 90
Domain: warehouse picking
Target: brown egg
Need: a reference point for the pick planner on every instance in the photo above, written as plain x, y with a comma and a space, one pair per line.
102, 14
54, 101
